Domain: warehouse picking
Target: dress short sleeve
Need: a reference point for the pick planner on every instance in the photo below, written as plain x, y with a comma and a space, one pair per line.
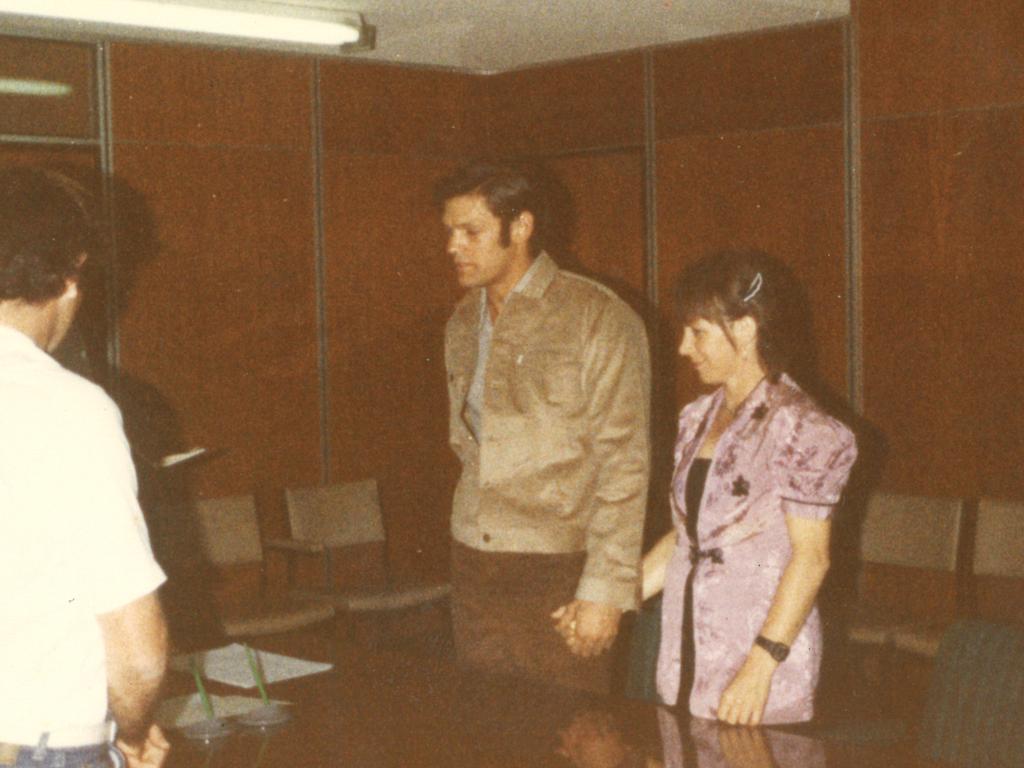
814, 463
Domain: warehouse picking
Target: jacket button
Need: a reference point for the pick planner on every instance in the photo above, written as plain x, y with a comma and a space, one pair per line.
487, 538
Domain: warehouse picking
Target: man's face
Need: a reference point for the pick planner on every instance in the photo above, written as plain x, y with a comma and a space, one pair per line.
474, 243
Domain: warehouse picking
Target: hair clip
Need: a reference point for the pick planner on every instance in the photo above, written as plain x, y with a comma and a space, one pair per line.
755, 287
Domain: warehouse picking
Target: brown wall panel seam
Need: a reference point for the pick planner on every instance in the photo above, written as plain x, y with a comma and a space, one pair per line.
840, 123
49, 141
1002, 107
320, 269
625, 149
854, 271
297, 150
104, 125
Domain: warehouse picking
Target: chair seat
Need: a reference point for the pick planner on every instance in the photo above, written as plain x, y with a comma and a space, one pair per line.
920, 640
872, 629
390, 599
270, 617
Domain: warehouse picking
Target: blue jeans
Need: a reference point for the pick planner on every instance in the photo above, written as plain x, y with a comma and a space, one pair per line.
98, 756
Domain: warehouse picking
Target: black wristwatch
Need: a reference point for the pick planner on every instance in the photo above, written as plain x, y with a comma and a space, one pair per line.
778, 651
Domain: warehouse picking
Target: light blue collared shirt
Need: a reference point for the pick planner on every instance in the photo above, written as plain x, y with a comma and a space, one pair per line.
472, 410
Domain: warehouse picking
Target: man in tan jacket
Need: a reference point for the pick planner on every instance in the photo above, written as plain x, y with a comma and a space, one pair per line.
548, 381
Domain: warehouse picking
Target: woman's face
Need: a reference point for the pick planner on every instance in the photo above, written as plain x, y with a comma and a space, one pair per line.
711, 353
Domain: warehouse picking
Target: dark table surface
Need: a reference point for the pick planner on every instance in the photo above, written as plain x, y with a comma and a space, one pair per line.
393, 709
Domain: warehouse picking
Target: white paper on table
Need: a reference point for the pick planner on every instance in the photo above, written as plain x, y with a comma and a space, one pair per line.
183, 711
229, 665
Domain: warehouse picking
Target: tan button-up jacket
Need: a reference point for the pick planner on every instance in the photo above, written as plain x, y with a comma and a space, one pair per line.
563, 458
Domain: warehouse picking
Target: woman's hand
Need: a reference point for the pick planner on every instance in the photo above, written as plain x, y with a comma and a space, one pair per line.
744, 698
655, 564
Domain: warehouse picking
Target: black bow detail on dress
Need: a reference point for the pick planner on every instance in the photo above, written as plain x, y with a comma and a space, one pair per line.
697, 554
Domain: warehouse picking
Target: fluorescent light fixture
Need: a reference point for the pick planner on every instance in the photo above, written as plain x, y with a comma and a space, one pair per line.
284, 23
17, 86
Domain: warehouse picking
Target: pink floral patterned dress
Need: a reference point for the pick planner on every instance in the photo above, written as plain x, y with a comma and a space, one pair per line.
780, 456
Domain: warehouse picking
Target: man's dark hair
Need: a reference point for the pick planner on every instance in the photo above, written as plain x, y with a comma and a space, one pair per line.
507, 189
45, 228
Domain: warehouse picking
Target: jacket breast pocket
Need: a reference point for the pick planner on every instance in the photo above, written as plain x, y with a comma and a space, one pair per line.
547, 378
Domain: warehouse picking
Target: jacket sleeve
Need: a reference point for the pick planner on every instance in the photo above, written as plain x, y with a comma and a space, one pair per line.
617, 381
814, 464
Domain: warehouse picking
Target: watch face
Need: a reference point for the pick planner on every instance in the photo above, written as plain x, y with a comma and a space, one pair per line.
778, 651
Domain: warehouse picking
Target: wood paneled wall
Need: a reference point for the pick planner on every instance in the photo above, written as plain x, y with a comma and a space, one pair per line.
389, 135
213, 152
941, 99
750, 153
71, 114
585, 123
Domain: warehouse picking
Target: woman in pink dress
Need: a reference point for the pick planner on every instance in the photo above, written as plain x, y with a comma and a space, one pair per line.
759, 468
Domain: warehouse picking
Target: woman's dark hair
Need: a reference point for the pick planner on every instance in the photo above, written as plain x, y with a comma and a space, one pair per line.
45, 228
730, 285
507, 189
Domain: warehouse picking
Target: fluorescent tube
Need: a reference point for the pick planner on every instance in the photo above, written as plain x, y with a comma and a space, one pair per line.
18, 86
291, 24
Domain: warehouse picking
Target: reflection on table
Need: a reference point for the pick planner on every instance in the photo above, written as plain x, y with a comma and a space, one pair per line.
378, 709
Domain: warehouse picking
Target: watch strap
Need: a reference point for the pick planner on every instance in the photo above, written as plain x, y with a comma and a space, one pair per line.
778, 651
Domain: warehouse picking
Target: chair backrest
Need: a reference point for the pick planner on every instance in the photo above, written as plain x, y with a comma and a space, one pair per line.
999, 539
973, 717
912, 531
229, 530
336, 515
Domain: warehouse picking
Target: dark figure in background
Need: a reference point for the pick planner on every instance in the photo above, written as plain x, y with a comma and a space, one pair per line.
760, 468
168, 502
548, 382
84, 630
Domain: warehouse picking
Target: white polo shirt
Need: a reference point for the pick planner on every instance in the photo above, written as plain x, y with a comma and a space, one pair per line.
73, 543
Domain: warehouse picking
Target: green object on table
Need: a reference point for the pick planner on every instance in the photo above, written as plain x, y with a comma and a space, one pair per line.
207, 704
255, 667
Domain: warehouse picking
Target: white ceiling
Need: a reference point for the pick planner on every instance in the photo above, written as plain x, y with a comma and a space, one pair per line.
497, 35
487, 36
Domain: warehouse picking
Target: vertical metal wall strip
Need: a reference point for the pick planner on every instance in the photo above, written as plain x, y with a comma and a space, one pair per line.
650, 186
854, 273
106, 146
320, 268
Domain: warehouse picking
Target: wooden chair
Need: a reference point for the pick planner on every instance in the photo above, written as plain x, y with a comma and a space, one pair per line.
230, 539
974, 717
997, 566
326, 520
908, 579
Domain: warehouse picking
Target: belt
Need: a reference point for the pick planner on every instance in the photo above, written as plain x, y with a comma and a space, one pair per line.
60, 738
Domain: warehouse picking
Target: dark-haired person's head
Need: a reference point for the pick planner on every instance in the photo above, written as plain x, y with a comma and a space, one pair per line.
508, 191
46, 234
728, 286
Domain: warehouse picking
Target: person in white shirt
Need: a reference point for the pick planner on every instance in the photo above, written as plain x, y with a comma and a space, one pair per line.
84, 633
